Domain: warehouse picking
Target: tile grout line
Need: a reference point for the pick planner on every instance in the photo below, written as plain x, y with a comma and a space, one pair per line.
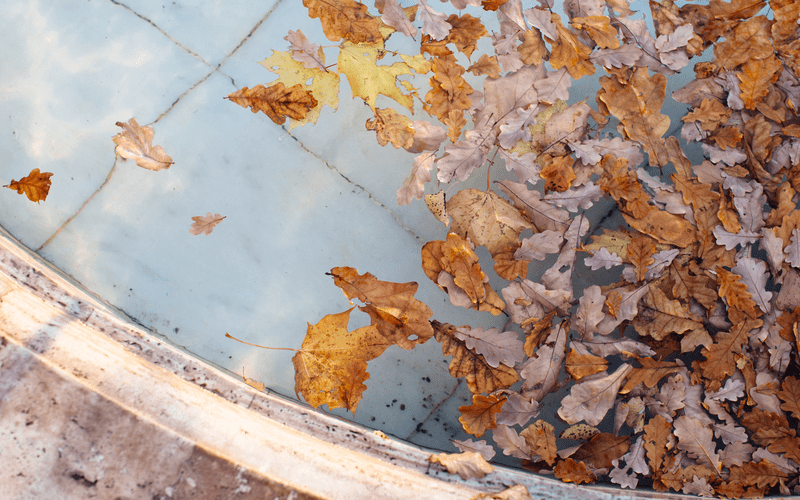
361, 188
60, 228
189, 51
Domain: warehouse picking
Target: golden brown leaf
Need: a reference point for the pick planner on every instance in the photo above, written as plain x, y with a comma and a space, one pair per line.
583, 365
35, 185
569, 52
331, 366
735, 293
486, 219
485, 66
509, 268
395, 312
532, 49
276, 101
558, 173
136, 143
760, 474
345, 19
636, 99
709, 115
602, 449
392, 127
756, 77
599, 29
468, 465
480, 376
449, 91
727, 137
541, 438
465, 32
570, 471
492, 4
665, 227
650, 373
657, 437
659, 316
481, 414
790, 395
640, 254
721, 356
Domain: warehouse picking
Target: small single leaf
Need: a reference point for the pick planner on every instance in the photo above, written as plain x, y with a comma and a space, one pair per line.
35, 185
468, 465
205, 224
136, 143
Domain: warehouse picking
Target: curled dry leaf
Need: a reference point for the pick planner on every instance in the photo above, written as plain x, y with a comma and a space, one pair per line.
468, 465
35, 185
136, 143
205, 224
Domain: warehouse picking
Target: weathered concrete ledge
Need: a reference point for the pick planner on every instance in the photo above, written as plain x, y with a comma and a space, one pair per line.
94, 406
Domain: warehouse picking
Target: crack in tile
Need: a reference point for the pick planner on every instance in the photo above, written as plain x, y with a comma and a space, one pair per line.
143, 18
359, 187
52, 236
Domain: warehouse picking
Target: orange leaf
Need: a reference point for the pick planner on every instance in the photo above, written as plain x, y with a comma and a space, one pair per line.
569, 52
395, 312
345, 19
640, 254
721, 356
479, 374
583, 365
331, 366
541, 437
757, 77
480, 415
276, 101
35, 185
570, 471
558, 173
790, 395
735, 293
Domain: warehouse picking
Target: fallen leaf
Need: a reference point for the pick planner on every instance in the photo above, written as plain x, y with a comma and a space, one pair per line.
205, 224
590, 400
469, 465
345, 19
35, 185
571, 471
331, 365
395, 312
136, 143
481, 414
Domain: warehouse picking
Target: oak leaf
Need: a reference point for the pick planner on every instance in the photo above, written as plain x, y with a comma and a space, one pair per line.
310, 54
205, 224
480, 376
649, 374
276, 101
570, 471
496, 347
413, 187
541, 439
640, 254
541, 372
600, 451
331, 365
790, 395
568, 52
395, 312
658, 441
590, 400
660, 316
486, 219
697, 440
481, 447
583, 365
35, 185
481, 414
468, 465
721, 356
324, 86
433, 23
345, 19
392, 127
136, 143
394, 16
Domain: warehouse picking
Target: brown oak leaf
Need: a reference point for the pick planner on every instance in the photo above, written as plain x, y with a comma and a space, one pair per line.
481, 414
136, 143
35, 185
205, 224
345, 19
276, 101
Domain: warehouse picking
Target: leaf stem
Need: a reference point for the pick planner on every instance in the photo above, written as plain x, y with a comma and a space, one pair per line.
261, 346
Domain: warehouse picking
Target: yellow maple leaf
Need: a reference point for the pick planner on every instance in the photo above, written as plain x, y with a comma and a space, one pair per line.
359, 63
331, 365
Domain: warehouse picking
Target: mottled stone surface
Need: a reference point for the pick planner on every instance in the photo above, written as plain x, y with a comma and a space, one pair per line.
61, 440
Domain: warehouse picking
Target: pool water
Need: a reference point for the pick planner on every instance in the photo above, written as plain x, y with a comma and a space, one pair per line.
296, 202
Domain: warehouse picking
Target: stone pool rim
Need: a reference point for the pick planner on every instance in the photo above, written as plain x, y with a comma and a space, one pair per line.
89, 341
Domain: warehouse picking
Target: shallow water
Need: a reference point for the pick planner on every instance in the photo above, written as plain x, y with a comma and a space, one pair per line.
297, 203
